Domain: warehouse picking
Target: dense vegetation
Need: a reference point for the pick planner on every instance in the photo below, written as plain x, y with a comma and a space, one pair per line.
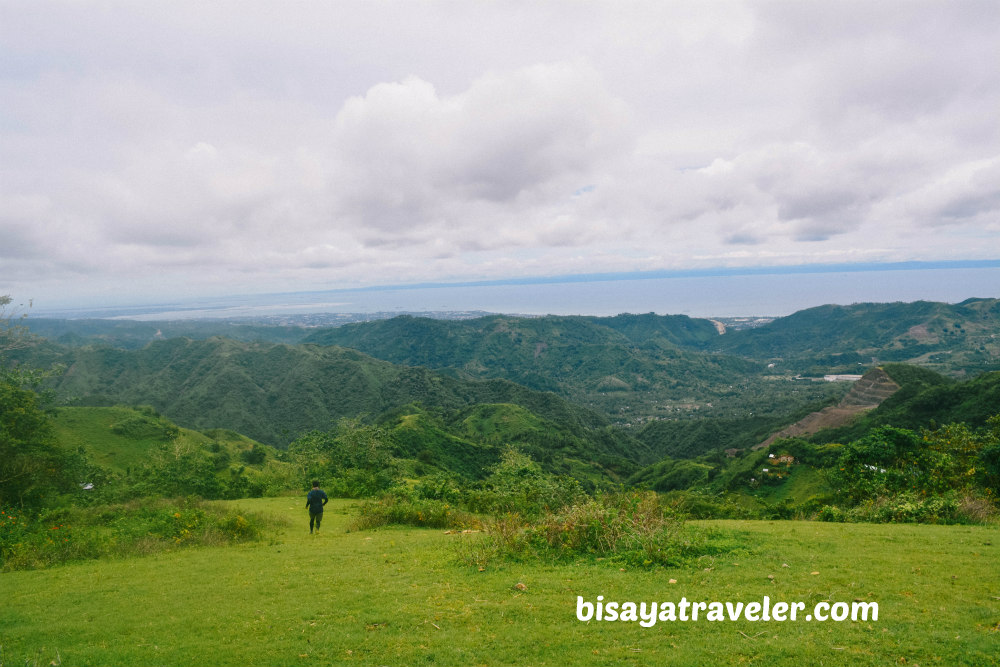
534, 429
272, 392
959, 338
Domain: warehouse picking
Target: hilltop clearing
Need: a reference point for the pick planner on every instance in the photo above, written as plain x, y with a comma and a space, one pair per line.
400, 597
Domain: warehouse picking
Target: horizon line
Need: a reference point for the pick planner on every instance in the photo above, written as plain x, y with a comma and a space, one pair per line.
657, 274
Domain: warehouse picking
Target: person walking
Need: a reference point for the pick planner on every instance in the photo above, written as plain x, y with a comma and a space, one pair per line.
315, 500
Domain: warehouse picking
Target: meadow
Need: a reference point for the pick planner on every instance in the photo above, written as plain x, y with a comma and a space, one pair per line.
403, 596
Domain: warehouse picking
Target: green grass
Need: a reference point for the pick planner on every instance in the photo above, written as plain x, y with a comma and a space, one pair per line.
398, 596
94, 430
124, 439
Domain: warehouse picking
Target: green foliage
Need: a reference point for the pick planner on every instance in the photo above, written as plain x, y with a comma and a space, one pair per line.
33, 469
404, 507
915, 378
274, 393
140, 527
256, 455
891, 461
517, 484
179, 469
910, 507
434, 441
355, 459
947, 336
134, 335
142, 426
671, 474
632, 528
153, 456
607, 363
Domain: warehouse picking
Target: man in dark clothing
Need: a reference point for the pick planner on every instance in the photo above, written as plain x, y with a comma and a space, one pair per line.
315, 500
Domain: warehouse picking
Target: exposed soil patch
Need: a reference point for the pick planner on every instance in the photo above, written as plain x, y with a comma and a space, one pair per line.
867, 393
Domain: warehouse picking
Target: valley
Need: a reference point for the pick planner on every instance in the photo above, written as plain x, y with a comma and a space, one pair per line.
487, 471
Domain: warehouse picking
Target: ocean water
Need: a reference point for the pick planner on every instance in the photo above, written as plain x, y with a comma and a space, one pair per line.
721, 296
697, 296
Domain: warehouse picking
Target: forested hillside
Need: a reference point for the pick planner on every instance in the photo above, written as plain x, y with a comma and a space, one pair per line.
959, 338
630, 367
672, 381
931, 436
274, 392
573, 404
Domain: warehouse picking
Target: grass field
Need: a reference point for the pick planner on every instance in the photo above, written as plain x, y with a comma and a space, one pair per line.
400, 597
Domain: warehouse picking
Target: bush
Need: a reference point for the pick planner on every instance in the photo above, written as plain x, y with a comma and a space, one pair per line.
403, 508
950, 508
627, 528
518, 485
236, 527
131, 529
254, 456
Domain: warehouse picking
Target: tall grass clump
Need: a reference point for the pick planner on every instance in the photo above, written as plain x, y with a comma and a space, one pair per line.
405, 507
135, 528
632, 528
909, 507
516, 485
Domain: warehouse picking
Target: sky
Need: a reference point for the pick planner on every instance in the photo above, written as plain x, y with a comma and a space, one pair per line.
159, 150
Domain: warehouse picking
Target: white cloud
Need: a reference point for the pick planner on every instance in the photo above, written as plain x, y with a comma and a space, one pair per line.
247, 146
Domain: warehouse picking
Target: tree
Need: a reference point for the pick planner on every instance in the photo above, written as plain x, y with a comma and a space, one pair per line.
13, 334
356, 456
32, 466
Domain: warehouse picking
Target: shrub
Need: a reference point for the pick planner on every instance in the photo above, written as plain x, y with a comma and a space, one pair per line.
403, 508
949, 508
238, 528
629, 528
518, 485
254, 456
132, 529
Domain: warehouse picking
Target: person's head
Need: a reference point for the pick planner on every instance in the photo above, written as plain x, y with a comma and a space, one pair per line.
315, 483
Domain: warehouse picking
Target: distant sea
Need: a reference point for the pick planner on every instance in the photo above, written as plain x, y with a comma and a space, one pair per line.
719, 293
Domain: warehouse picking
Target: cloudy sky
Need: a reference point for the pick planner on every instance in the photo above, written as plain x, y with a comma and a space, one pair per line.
150, 150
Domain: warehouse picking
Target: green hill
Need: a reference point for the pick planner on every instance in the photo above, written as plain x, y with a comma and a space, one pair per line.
150, 454
629, 367
957, 338
924, 401
469, 440
133, 335
571, 355
118, 437
274, 392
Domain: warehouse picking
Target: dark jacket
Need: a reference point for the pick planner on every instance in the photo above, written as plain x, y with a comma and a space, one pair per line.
315, 501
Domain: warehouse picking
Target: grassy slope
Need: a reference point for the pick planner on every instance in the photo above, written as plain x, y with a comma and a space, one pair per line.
94, 429
396, 597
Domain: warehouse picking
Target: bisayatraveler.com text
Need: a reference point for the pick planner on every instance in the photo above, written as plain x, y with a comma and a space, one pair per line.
647, 614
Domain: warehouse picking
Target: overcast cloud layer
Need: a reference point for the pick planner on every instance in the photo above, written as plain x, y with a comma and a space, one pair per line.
149, 150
